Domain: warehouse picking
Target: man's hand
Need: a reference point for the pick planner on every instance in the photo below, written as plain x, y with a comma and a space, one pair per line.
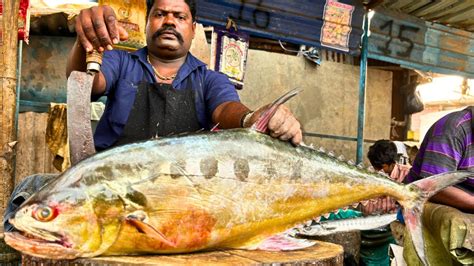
282, 125
387, 204
379, 206
97, 28
285, 126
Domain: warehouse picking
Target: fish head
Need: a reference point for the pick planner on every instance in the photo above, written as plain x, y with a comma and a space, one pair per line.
66, 224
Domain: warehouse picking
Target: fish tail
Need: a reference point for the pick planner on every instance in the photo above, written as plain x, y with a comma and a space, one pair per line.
261, 124
413, 207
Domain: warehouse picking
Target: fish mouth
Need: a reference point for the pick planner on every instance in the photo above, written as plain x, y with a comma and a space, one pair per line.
38, 247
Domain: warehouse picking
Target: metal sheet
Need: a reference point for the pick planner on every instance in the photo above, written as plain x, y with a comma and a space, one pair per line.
298, 22
411, 42
452, 13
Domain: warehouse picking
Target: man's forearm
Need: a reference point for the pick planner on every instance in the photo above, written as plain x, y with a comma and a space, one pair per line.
456, 198
76, 59
229, 114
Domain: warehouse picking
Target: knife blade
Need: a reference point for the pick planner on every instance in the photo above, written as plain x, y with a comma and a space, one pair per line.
79, 128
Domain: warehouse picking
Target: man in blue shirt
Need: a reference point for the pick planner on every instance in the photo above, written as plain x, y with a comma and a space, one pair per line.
161, 89
158, 90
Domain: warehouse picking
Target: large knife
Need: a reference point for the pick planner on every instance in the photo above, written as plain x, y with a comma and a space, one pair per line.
79, 128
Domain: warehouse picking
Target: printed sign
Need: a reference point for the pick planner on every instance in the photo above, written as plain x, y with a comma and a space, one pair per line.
229, 54
336, 29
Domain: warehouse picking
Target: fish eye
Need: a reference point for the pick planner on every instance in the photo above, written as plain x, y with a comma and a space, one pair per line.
44, 213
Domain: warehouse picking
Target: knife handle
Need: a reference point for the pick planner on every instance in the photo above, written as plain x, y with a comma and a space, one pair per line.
93, 61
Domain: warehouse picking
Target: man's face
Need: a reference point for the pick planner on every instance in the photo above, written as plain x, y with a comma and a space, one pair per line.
387, 168
170, 29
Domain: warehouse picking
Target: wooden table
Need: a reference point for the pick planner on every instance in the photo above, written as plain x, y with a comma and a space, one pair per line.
322, 254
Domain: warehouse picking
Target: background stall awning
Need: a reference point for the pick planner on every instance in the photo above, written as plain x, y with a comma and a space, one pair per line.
46, 7
335, 25
428, 35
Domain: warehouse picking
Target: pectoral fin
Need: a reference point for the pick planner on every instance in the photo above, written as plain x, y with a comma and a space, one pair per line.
149, 230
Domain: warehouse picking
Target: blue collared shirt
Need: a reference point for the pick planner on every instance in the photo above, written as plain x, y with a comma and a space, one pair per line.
123, 71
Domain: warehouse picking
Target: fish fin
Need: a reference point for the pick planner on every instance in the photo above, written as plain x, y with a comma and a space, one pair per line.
413, 208
261, 124
215, 128
149, 230
284, 242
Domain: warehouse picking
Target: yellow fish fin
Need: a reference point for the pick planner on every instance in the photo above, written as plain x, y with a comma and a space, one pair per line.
149, 230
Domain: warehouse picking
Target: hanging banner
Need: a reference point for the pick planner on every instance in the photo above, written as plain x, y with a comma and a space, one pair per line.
23, 21
131, 16
337, 25
229, 51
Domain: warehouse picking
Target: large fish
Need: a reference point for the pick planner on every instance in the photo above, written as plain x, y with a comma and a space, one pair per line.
225, 189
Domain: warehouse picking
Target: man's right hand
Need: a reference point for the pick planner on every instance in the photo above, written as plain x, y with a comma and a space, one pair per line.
379, 206
97, 28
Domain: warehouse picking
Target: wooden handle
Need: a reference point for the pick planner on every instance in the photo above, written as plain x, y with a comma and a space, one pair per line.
94, 61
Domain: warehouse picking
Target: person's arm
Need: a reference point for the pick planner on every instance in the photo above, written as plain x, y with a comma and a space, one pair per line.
442, 153
456, 198
229, 114
96, 28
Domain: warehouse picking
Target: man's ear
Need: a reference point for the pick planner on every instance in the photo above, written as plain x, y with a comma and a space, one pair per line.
194, 28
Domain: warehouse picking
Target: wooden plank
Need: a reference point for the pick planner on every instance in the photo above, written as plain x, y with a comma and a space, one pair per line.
200, 48
25, 145
302, 22
443, 14
322, 254
33, 155
413, 43
8, 81
433, 7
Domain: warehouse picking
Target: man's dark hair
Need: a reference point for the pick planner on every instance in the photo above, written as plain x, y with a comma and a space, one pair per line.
382, 152
191, 4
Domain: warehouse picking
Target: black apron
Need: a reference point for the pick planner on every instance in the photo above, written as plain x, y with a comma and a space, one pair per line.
160, 110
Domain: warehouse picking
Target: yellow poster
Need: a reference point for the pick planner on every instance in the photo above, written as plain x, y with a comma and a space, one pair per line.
336, 28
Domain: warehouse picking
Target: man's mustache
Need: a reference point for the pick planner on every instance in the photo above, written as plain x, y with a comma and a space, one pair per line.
168, 28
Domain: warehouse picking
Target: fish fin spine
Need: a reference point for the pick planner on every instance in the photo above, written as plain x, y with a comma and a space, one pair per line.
149, 230
261, 125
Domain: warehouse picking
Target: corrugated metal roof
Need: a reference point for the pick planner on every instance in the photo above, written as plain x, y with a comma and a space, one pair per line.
452, 13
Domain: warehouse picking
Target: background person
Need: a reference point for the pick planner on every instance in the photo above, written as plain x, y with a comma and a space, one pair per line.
391, 158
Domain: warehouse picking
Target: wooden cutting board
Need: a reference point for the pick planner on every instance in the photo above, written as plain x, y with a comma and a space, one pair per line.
322, 254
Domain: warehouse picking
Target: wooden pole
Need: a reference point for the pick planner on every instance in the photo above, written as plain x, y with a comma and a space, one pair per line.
8, 80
